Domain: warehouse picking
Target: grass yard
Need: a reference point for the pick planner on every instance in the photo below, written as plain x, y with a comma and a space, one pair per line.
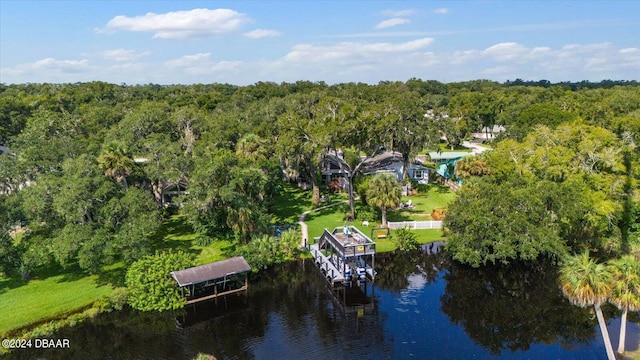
329, 218
290, 204
23, 303
437, 197
422, 236
54, 293
176, 233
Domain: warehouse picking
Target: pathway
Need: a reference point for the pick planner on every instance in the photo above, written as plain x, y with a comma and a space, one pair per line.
475, 148
303, 225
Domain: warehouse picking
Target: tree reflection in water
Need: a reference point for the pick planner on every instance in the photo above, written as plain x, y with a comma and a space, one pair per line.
513, 307
288, 313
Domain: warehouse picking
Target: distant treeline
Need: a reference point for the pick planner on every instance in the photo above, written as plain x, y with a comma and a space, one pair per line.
584, 84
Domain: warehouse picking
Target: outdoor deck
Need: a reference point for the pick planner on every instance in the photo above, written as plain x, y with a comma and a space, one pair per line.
344, 255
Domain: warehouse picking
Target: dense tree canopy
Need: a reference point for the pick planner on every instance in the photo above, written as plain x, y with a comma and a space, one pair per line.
88, 162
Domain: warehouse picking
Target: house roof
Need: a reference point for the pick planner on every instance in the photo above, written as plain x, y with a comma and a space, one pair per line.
214, 270
381, 161
447, 155
332, 163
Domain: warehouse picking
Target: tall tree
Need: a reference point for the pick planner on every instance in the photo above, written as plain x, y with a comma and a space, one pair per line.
516, 220
384, 192
587, 283
116, 162
305, 138
625, 292
406, 127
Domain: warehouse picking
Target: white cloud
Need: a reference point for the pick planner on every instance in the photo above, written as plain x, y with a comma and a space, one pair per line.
182, 24
188, 60
629, 51
260, 33
392, 22
398, 13
123, 54
352, 61
507, 51
347, 50
53, 65
441, 11
200, 64
213, 68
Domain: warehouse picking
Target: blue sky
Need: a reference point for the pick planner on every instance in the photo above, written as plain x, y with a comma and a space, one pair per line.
243, 42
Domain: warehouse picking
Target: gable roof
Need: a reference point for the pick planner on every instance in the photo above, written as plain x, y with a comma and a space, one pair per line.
214, 270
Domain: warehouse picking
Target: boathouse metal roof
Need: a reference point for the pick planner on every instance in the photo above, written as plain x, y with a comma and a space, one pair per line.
214, 270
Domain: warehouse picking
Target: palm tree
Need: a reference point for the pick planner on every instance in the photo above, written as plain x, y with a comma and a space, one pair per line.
384, 192
585, 282
625, 293
116, 162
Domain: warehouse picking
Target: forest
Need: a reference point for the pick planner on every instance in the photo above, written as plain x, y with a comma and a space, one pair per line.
84, 165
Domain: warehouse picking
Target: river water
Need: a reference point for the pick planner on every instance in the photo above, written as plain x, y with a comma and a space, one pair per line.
422, 306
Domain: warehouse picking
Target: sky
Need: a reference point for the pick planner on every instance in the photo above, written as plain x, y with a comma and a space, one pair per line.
244, 42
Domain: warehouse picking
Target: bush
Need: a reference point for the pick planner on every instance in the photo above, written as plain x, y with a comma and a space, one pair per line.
203, 240
439, 214
422, 188
262, 251
361, 186
290, 243
405, 240
150, 284
366, 213
113, 301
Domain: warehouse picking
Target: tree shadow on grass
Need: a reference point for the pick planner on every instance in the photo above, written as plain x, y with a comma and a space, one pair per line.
13, 282
442, 188
114, 276
174, 233
393, 215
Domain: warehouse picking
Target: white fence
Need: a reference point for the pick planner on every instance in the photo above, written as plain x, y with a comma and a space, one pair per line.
415, 225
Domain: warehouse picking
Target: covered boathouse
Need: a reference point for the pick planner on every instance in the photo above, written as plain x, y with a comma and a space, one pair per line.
212, 280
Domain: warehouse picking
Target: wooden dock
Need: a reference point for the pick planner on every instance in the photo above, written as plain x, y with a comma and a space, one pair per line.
329, 270
213, 296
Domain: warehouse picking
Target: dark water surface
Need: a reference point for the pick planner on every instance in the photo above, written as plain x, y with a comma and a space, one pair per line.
422, 306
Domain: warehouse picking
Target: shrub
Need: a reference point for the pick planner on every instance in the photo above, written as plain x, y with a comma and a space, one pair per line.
150, 284
113, 301
405, 240
366, 213
439, 213
203, 240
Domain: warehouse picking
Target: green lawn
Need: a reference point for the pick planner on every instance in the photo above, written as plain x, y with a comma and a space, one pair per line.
54, 293
23, 303
326, 218
290, 204
437, 197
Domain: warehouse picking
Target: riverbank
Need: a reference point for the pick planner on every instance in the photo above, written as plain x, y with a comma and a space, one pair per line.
59, 294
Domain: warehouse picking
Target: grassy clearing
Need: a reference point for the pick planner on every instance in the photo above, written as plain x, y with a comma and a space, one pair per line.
23, 303
176, 233
437, 197
291, 202
422, 236
329, 218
